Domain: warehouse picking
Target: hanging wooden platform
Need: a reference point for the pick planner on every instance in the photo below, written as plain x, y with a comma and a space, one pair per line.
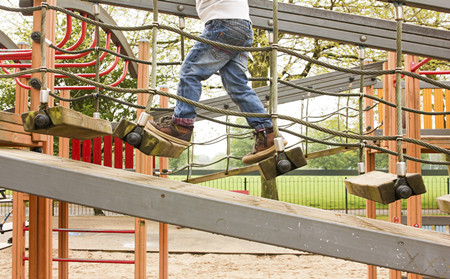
444, 203
294, 157
379, 186
149, 143
257, 219
67, 123
13, 134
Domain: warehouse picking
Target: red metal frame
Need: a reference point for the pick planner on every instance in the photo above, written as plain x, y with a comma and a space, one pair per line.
88, 261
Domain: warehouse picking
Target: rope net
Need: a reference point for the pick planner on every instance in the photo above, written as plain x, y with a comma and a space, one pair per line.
361, 138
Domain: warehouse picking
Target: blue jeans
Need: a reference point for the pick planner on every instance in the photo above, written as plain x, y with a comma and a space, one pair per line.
205, 60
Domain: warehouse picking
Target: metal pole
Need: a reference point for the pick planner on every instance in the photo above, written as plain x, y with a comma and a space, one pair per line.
97, 60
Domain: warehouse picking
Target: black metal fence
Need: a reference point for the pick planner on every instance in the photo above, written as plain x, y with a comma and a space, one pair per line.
324, 192
329, 192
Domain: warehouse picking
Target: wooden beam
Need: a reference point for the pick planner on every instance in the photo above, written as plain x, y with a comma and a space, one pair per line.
242, 216
434, 5
323, 24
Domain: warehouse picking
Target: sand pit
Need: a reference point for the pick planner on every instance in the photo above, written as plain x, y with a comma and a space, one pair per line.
194, 255
210, 266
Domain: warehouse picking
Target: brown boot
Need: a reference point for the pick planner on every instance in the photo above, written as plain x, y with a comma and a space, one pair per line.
170, 131
263, 147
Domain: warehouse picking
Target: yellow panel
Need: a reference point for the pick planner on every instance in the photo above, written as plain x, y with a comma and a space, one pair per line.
439, 107
447, 107
427, 119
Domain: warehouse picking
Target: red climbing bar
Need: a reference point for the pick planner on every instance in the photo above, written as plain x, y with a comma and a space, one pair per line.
92, 231
129, 156
88, 261
68, 32
76, 150
80, 40
118, 153
107, 151
420, 64
87, 151
97, 151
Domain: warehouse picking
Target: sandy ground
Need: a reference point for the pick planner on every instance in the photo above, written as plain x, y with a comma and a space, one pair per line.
210, 266
187, 259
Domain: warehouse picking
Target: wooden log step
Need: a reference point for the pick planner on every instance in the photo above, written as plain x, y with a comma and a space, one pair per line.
282, 163
146, 141
380, 186
444, 203
64, 122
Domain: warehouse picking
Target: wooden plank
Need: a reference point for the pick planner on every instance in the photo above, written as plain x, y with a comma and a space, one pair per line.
323, 24
262, 220
17, 140
68, 123
150, 143
10, 118
434, 5
444, 203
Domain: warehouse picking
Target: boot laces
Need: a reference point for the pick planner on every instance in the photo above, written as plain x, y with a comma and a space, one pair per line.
260, 138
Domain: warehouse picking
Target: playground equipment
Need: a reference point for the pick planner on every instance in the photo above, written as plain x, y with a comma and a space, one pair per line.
168, 199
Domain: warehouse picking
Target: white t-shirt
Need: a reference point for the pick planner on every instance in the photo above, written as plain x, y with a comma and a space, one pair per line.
222, 9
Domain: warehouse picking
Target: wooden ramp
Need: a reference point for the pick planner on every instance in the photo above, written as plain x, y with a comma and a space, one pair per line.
282, 224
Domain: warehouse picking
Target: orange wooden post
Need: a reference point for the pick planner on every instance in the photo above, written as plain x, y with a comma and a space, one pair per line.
163, 228
143, 165
40, 233
19, 209
63, 212
390, 129
370, 166
412, 89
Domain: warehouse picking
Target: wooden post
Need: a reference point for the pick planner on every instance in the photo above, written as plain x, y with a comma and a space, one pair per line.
143, 165
63, 213
412, 89
40, 233
370, 166
163, 228
19, 209
390, 129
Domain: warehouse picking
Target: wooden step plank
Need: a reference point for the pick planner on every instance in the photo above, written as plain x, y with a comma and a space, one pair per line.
444, 203
151, 143
68, 123
379, 186
282, 224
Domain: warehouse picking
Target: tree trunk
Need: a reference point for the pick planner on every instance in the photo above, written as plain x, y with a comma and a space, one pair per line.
269, 188
259, 68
